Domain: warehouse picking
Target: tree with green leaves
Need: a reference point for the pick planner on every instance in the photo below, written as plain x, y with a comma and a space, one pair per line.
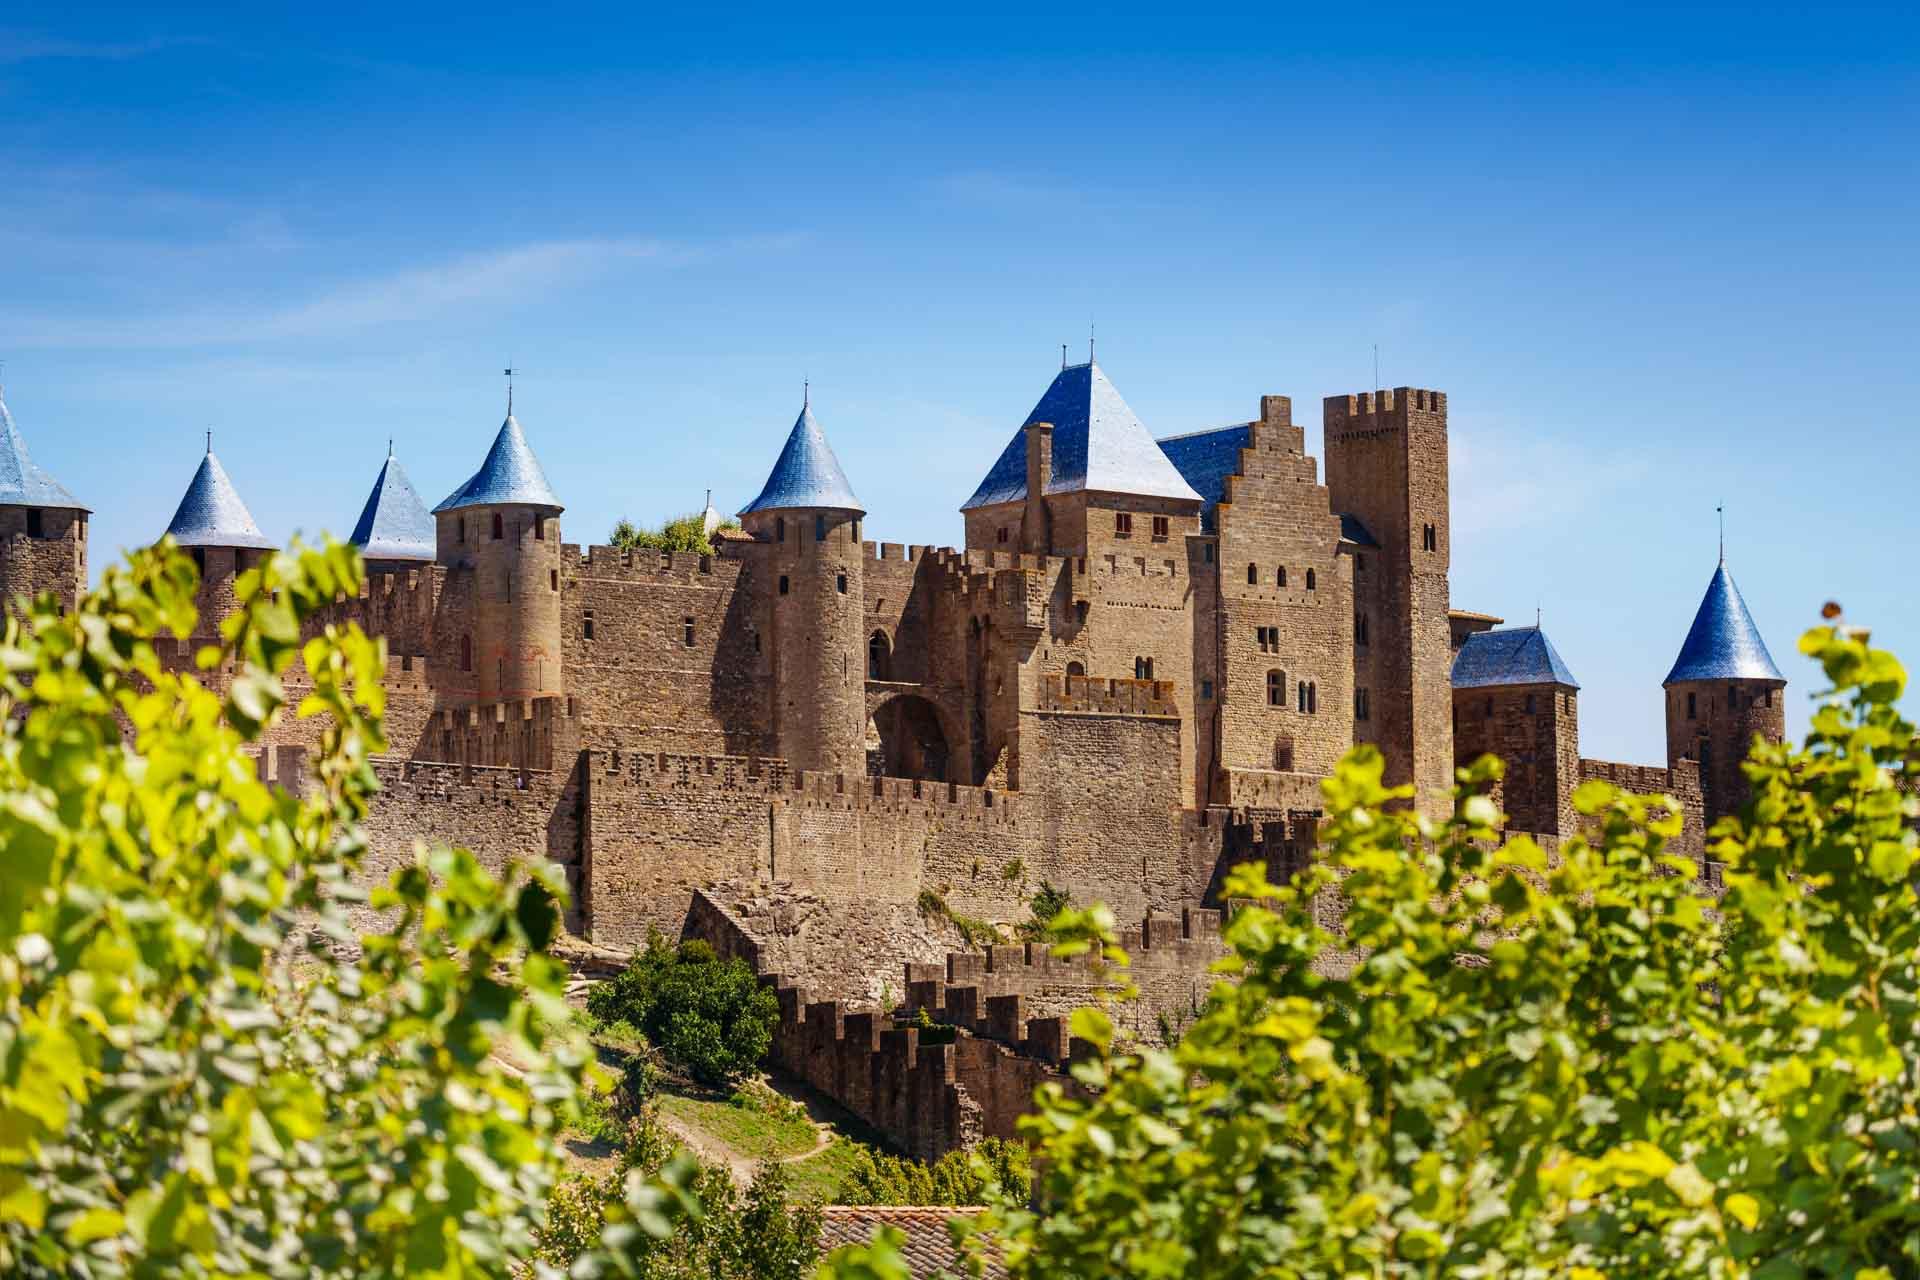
204, 1067
707, 1015
682, 533
1515, 1064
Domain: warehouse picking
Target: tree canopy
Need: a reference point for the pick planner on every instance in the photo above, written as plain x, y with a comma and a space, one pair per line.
205, 1067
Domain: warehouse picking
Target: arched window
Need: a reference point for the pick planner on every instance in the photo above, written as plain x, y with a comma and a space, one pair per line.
1253, 575
1076, 669
1300, 695
879, 657
466, 653
779, 528
499, 527
1309, 579
1276, 688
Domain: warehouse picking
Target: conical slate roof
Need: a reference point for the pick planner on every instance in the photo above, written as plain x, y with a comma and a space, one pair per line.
511, 474
1723, 643
806, 474
211, 513
395, 524
1098, 444
1509, 656
22, 482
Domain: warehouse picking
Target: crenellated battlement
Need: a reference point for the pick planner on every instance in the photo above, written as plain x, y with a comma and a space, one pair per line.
645, 564
1093, 695
882, 1073
1341, 411
908, 553
660, 770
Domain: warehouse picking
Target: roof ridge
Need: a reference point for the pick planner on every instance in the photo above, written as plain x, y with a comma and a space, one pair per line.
1204, 431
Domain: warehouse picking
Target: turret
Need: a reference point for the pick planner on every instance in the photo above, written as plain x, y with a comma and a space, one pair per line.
807, 523
498, 634
395, 531
217, 530
1723, 691
1513, 697
43, 528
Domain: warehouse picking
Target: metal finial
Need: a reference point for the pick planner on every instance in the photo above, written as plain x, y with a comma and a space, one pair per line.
1721, 511
1063, 355
509, 372
1089, 341
709, 497
389, 446
209, 439
806, 393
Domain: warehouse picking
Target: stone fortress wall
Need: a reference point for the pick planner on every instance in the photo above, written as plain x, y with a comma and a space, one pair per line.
821, 751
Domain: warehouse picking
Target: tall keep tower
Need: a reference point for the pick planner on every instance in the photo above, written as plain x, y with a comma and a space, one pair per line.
1723, 690
1387, 466
43, 528
808, 522
218, 531
499, 537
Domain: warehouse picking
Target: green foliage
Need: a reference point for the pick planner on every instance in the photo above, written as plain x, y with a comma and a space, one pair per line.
195, 1078
973, 932
1046, 905
682, 533
1518, 1065
959, 1177
709, 1016
736, 1235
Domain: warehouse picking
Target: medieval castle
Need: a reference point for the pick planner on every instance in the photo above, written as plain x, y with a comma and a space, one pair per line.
1135, 674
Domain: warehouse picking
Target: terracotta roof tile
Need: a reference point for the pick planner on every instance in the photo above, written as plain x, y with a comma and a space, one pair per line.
929, 1249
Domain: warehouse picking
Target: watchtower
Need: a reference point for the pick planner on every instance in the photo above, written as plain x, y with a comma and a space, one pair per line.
1387, 467
43, 528
217, 530
1723, 690
498, 634
806, 527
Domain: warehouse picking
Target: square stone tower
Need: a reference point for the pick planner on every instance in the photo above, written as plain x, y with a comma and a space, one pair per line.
1387, 467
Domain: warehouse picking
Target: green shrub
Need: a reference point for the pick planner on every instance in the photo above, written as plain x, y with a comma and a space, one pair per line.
682, 533
709, 1016
1046, 905
958, 1178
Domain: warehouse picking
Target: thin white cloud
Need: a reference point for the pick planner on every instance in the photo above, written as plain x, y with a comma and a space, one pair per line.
17, 47
413, 294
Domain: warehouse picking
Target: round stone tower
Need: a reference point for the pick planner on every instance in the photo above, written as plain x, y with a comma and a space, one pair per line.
806, 527
1722, 691
498, 631
217, 530
43, 528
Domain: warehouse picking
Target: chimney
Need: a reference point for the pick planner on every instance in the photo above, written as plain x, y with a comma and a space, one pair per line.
1036, 531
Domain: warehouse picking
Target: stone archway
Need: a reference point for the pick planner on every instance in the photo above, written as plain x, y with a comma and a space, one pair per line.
904, 740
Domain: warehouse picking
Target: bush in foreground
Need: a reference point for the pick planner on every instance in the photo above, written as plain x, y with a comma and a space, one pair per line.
1575, 1066
959, 1177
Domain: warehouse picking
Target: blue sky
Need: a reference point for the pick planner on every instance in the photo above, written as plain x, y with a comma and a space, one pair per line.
1658, 258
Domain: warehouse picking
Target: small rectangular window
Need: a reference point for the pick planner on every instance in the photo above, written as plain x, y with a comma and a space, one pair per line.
1361, 709
553, 578
1123, 522
36, 526
686, 632
540, 528
1000, 534
1206, 690
586, 626
840, 584
1159, 526
1207, 553
783, 584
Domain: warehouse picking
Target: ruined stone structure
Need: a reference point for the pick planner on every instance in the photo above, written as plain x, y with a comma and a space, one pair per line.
1133, 674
